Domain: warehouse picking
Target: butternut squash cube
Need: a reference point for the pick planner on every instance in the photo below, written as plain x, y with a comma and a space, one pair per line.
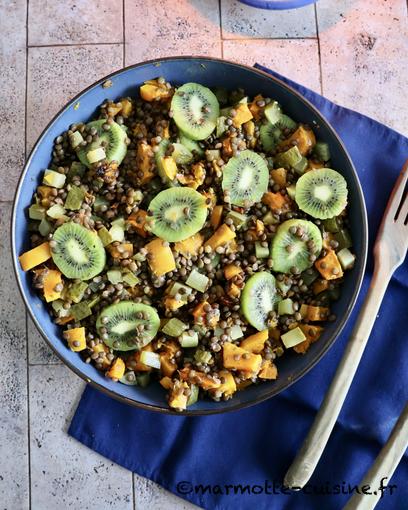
52, 278
117, 370
232, 270
125, 251
169, 167
257, 111
177, 397
167, 364
203, 380
166, 382
155, 91
228, 386
233, 290
35, 257
216, 216
134, 363
268, 370
127, 107
195, 178
329, 266
160, 257
172, 304
138, 221
76, 339
312, 334
190, 246
319, 286
236, 358
255, 343
145, 162
276, 201
243, 114
303, 138
221, 236
279, 176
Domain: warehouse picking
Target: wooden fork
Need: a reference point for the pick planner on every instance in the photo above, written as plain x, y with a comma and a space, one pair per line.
389, 252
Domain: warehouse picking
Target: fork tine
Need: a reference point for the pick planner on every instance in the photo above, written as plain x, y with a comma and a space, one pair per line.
397, 194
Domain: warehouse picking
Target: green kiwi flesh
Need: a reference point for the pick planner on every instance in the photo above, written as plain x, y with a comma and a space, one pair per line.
258, 299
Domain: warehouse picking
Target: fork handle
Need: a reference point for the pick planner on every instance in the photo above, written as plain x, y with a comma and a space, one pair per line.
384, 466
308, 456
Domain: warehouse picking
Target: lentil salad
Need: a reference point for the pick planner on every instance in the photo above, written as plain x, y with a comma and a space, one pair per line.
191, 236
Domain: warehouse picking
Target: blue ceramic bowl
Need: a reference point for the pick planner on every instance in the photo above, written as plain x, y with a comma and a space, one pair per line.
210, 72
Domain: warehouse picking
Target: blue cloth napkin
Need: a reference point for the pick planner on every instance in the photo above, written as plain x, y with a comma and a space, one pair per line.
254, 447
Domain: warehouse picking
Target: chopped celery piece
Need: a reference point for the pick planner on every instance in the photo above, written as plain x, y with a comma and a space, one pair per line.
80, 310
332, 224
105, 236
293, 337
143, 379
181, 289
117, 233
118, 222
221, 126
283, 286
100, 202
191, 145
56, 211
114, 276
301, 166
285, 307
75, 139
286, 122
130, 278
129, 379
237, 218
261, 252
309, 276
174, 327
218, 331
212, 154
76, 291
289, 158
181, 154
192, 399
189, 339
76, 168
197, 281
74, 198
346, 258
269, 219
202, 356
343, 238
95, 155
151, 359
36, 212
94, 301
215, 260
321, 151
236, 332
58, 306
291, 191
273, 113
54, 179
44, 227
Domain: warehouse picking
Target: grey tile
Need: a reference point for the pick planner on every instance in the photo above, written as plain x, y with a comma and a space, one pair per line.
12, 94
240, 21
38, 350
74, 21
55, 75
177, 27
364, 47
281, 55
150, 496
13, 382
64, 473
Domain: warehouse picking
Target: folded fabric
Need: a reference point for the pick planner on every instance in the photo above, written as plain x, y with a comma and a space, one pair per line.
254, 447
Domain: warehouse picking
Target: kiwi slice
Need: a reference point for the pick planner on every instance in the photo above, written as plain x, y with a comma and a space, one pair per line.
246, 178
269, 136
161, 152
321, 193
79, 252
295, 246
177, 213
191, 145
127, 326
195, 110
114, 139
258, 299
181, 154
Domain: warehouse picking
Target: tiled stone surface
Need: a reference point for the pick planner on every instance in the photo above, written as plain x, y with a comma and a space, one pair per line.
75, 21
240, 21
12, 93
38, 350
64, 473
14, 482
65, 71
150, 496
364, 51
173, 27
294, 58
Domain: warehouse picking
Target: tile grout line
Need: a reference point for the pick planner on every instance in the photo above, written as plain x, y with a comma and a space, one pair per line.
26, 315
319, 50
64, 45
249, 39
123, 33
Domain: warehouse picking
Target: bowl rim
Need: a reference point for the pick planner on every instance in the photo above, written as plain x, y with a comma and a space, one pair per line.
239, 405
